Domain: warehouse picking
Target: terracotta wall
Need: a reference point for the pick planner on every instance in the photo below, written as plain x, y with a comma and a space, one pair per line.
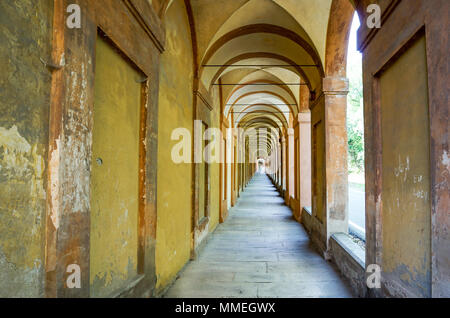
406, 176
406, 129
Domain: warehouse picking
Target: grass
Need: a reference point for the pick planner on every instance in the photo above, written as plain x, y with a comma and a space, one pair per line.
359, 186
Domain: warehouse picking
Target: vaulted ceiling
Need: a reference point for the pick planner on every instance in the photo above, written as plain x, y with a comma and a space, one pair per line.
260, 52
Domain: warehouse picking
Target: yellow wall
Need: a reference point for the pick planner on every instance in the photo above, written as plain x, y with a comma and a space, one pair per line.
173, 238
229, 169
115, 170
25, 35
406, 212
202, 180
215, 167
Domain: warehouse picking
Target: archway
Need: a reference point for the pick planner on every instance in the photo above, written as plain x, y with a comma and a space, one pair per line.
355, 133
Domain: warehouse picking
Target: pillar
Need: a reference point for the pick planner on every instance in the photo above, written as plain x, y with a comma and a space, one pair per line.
279, 170
335, 90
304, 124
283, 163
291, 167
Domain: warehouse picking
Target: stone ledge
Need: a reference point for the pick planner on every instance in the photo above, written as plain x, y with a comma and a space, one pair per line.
353, 249
350, 259
307, 209
315, 230
357, 231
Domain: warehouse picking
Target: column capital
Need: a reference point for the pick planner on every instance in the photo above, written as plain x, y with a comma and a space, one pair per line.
290, 132
304, 117
335, 86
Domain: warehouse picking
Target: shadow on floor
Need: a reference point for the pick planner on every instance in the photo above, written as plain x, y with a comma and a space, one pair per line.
260, 251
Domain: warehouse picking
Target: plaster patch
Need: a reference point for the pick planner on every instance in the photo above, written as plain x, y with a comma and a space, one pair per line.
37, 181
14, 153
54, 184
110, 280
201, 235
446, 160
18, 281
62, 60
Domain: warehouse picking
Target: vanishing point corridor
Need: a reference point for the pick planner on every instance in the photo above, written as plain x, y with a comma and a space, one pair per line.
260, 251
231, 148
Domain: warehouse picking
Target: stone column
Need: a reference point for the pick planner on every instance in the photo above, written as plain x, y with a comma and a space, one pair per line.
283, 163
335, 90
279, 165
304, 126
291, 163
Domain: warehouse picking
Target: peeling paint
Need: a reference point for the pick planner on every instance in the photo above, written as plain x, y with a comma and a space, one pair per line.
25, 85
20, 282
406, 206
15, 152
201, 235
54, 184
446, 160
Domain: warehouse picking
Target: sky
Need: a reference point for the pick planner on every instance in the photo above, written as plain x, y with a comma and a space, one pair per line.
353, 55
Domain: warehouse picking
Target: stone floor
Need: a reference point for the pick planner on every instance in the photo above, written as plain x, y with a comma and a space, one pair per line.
260, 251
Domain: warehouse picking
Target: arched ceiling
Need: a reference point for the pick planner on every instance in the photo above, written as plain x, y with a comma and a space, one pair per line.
313, 16
264, 40
260, 52
252, 95
255, 114
268, 75
257, 133
255, 12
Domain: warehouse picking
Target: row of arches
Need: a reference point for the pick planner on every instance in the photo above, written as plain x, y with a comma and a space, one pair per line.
255, 67
88, 140
270, 65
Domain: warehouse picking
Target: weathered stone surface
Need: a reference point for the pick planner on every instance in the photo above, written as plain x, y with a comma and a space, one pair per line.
349, 257
259, 252
24, 112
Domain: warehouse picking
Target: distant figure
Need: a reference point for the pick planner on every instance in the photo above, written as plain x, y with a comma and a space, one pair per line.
261, 167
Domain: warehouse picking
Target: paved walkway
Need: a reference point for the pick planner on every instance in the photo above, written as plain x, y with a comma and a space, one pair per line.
356, 206
260, 251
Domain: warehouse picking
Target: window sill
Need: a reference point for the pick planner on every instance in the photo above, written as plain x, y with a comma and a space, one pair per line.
357, 231
351, 248
307, 209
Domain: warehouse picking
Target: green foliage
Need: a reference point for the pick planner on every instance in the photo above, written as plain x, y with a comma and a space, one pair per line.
355, 118
355, 147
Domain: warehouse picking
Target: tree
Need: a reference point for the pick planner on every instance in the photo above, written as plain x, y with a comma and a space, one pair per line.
355, 117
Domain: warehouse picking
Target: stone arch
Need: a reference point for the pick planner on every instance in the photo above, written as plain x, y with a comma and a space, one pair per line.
263, 92
338, 33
